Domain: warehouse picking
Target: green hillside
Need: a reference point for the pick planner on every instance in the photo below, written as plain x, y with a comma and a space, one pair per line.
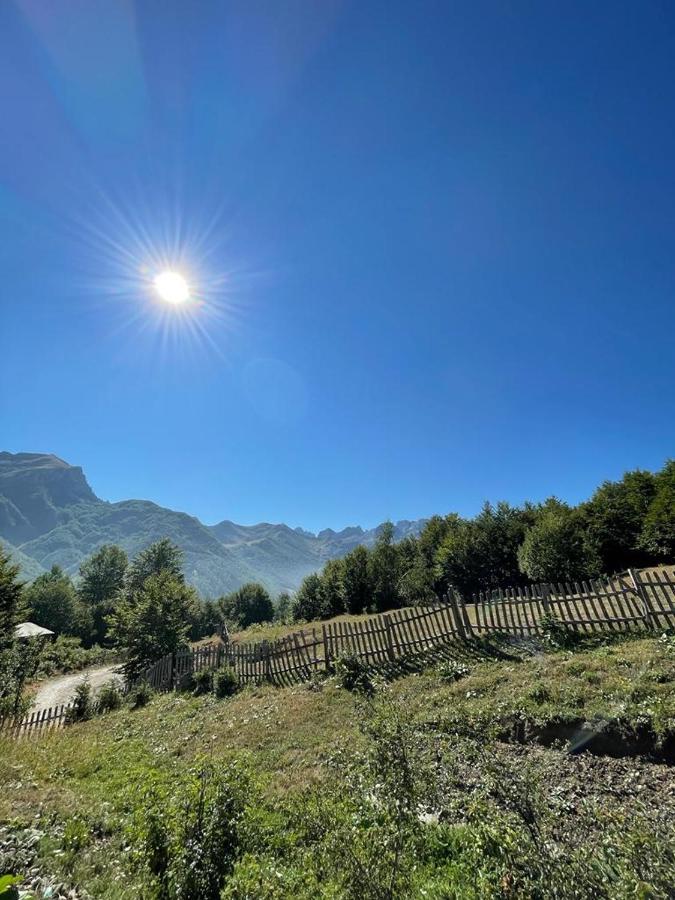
30, 568
429, 785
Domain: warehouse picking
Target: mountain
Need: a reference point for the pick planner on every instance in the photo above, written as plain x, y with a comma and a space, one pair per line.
49, 514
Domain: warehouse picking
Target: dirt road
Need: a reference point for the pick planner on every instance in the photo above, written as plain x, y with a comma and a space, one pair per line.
61, 689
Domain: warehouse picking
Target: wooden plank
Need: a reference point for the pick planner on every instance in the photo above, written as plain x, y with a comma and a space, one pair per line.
508, 610
584, 594
359, 640
406, 630
444, 612
456, 614
597, 611
534, 609
609, 601
417, 626
435, 631
327, 647
523, 612
499, 611
493, 612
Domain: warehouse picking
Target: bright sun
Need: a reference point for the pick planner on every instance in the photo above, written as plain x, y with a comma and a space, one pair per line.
172, 287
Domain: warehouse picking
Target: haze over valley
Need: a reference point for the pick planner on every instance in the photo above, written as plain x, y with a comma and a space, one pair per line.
50, 515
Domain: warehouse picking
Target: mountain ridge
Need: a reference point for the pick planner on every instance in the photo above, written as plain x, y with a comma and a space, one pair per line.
49, 515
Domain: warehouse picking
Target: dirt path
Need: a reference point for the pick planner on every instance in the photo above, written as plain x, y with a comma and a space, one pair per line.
61, 689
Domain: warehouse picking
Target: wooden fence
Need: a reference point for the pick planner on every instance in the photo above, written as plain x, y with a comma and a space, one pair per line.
638, 600
283, 661
635, 601
37, 722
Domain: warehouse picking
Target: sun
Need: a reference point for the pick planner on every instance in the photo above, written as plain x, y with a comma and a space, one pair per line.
172, 287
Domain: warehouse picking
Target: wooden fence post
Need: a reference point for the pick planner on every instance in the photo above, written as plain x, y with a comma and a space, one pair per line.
650, 619
545, 598
326, 649
456, 614
390, 640
468, 627
268, 660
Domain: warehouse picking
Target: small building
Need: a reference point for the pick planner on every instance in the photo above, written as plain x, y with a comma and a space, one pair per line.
27, 630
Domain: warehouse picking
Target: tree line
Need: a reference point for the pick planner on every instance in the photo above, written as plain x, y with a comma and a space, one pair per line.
626, 523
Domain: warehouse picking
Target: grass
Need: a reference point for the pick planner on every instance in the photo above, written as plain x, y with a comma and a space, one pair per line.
627, 680
92, 773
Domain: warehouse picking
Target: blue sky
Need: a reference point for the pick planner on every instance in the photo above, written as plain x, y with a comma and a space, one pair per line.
431, 250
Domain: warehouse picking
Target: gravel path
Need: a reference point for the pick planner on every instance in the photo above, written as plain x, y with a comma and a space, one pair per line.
61, 689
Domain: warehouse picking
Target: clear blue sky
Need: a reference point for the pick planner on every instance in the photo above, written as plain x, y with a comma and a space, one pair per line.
431, 248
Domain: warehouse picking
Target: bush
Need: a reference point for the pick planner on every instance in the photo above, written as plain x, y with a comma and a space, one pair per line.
140, 695
202, 682
189, 841
225, 681
557, 634
109, 697
8, 887
66, 654
83, 705
353, 674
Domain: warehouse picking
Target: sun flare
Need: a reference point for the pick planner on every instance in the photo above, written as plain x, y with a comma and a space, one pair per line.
172, 287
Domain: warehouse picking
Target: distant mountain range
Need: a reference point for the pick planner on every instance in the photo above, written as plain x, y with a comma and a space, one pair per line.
49, 514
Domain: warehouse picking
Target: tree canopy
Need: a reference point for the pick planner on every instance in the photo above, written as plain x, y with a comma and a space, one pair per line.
153, 620
17, 661
248, 605
52, 603
102, 580
162, 556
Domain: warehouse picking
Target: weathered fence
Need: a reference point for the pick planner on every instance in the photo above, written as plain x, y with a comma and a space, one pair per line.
637, 600
37, 722
283, 661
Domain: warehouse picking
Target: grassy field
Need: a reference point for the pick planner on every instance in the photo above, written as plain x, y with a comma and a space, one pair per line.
68, 798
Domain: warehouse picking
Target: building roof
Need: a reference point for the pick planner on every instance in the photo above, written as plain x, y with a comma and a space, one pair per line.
30, 629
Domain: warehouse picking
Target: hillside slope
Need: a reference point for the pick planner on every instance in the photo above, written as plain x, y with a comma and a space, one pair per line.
495, 806
50, 515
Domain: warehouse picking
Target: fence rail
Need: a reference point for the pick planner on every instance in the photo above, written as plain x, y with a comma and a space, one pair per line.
641, 600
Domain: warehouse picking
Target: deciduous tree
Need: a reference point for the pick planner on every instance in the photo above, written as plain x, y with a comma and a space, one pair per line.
152, 621
101, 585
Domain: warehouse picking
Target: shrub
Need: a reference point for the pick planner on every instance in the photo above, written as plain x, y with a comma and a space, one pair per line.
109, 697
66, 654
83, 705
202, 682
353, 674
189, 841
140, 695
557, 634
8, 887
225, 681
539, 694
